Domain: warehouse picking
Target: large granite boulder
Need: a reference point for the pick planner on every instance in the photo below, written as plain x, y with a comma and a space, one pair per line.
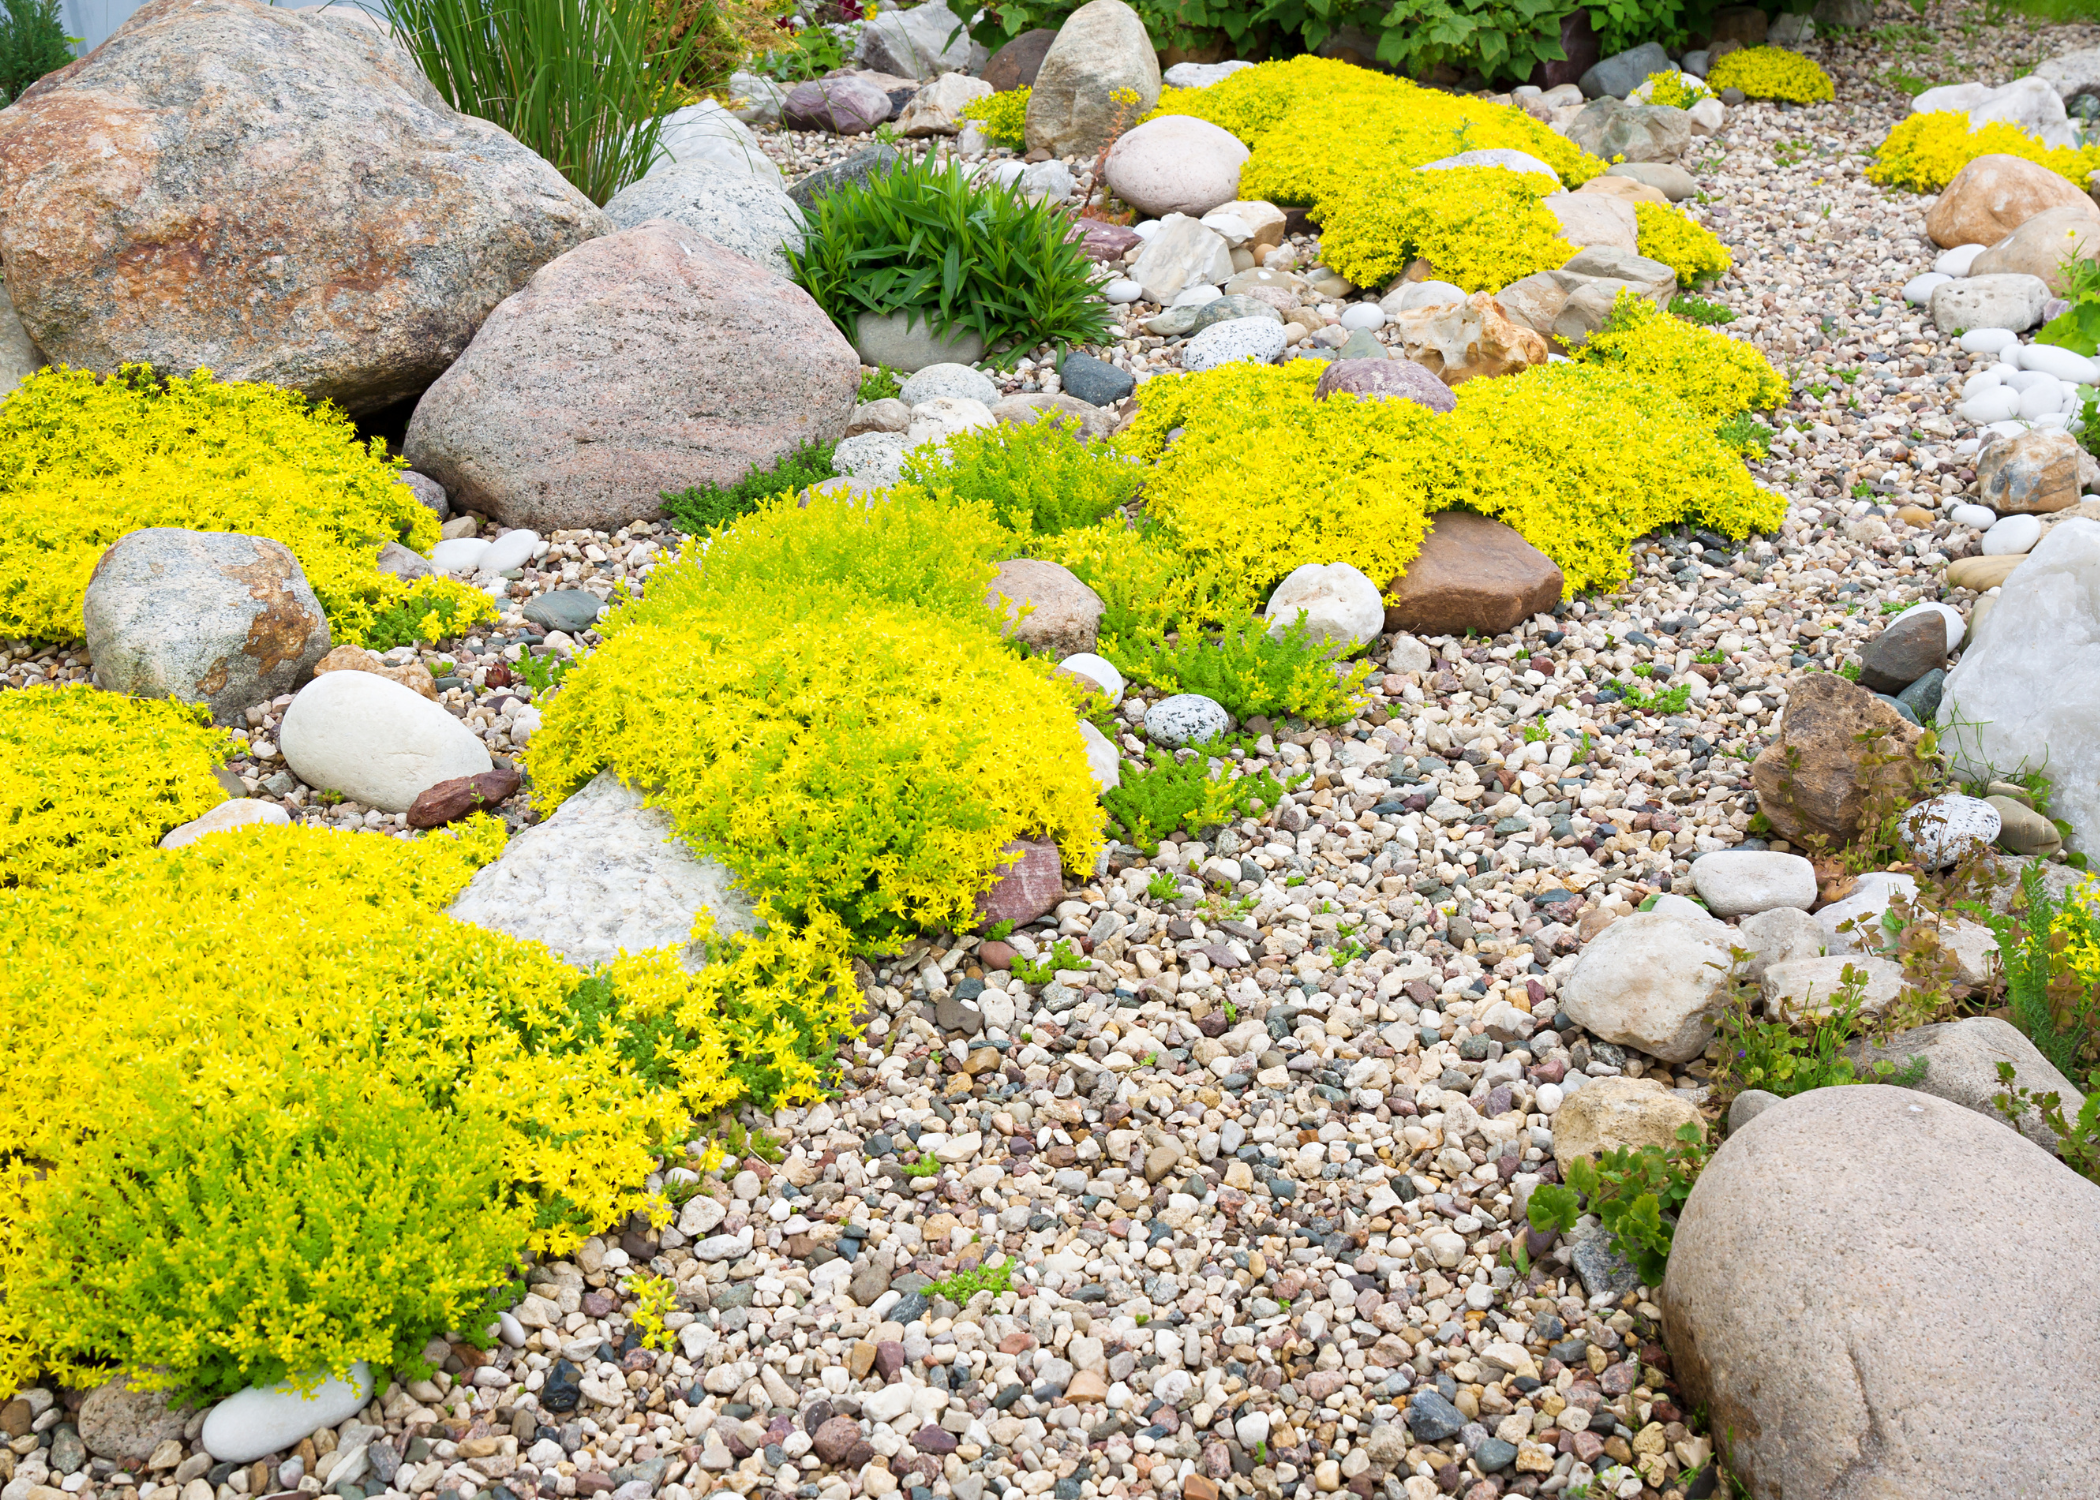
229, 184
1614, 130
1101, 49
2020, 696
648, 360
1874, 1292
1961, 1066
203, 617
755, 219
918, 41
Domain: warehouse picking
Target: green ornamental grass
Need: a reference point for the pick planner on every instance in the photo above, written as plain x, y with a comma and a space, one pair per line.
956, 254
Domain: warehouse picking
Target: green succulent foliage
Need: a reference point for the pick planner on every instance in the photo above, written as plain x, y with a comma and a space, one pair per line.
1038, 477
1248, 670
1171, 794
703, 507
1635, 1194
929, 243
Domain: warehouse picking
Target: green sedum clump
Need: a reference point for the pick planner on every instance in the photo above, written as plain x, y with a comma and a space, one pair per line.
1039, 478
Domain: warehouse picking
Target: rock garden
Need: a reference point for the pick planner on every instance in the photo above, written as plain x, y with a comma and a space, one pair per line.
1065, 752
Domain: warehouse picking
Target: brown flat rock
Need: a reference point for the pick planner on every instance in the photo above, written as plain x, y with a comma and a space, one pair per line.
1472, 574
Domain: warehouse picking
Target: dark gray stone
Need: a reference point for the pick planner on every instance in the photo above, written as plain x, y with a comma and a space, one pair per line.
1432, 1418
858, 167
1922, 697
1494, 1455
1904, 652
1095, 380
571, 610
1599, 1264
1623, 72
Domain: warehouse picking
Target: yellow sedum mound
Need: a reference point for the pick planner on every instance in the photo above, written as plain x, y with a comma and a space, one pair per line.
1706, 369
826, 704
1342, 140
84, 461
86, 776
296, 1117
1481, 228
1579, 459
1004, 116
1926, 152
1772, 73
1687, 247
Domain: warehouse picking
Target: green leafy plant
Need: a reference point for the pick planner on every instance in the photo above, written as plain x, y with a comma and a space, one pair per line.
1786, 1056
813, 52
1171, 794
1039, 478
584, 83
1249, 671
1163, 887
1537, 733
33, 42
1669, 701
2050, 953
933, 246
964, 1285
1000, 930
925, 1166
704, 507
542, 672
2077, 1140
1745, 434
1699, 310
1635, 1194
1062, 955
879, 384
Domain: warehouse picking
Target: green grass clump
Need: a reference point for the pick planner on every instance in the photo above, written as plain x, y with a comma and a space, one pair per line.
935, 245
1172, 793
704, 507
1039, 477
1249, 671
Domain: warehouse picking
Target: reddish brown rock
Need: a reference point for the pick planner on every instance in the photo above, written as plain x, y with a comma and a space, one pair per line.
1994, 195
451, 800
1472, 574
1014, 65
649, 360
1028, 887
1107, 242
996, 955
1814, 779
256, 189
835, 1439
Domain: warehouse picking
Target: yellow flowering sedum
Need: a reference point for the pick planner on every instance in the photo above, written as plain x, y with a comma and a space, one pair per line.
1687, 247
1342, 140
1718, 375
84, 461
1675, 89
1004, 116
1579, 459
1925, 152
1478, 227
1772, 73
86, 776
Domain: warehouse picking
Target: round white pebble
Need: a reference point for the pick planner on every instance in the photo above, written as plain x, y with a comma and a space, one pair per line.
2063, 364
2012, 536
1368, 316
1550, 1097
1981, 517
1122, 290
1989, 340
1195, 296
1956, 262
1995, 403
1918, 290
2043, 399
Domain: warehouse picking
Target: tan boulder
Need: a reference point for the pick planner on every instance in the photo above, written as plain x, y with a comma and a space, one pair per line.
1101, 50
1874, 1292
1588, 219
1814, 779
1994, 195
1472, 574
413, 675
1607, 1113
1046, 606
1033, 406
2031, 472
1458, 341
248, 187
1624, 188
2042, 245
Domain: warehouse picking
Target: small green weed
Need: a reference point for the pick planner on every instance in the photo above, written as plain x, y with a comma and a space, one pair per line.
1699, 310
879, 384
2077, 1141
925, 1166
704, 507
1062, 956
1163, 887
964, 1285
1776, 1056
542, 672
1170, 794
1636, 1195
1745, 434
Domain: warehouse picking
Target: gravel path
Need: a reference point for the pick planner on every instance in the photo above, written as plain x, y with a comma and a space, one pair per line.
1208, 1214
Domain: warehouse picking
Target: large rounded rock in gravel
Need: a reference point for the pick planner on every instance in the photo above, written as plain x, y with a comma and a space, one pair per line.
208, 617
1961, 1066
1063, 614
604, 875
1994, 195
1176, 164
1472, 574
845, 105
1615, 130
1607, 1113
1386, 379
649, 360
1101, 50
2009, 300
1341, 606
230, 184
2030, 473
1015, 65
1743, 882
272, 1418
1814, 778
1877, 1293
2044, 244
738, 212
705, 131
124, 1425
375, 741
1652, 982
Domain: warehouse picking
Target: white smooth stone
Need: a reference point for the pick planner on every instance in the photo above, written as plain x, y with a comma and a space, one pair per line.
2057, 419
1981, 517
2007, 428
2024, 380
2012, 537
2039, 401
2064, 364
1368, 316
513, 549
1195, 296
1122, 290
237, 812
1981, 381
1988, 340
462, 554
266, 1419
1956, 262
1097, 669
1918, 290
1146, 230
1994, 404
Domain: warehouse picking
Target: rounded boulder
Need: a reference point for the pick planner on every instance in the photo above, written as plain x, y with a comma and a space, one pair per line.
1742, 882
1994, 195
1340, 605
647, 360
1649, 981
1393, 379
1176, 164
375, 741
1876, 1292
1046, 606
